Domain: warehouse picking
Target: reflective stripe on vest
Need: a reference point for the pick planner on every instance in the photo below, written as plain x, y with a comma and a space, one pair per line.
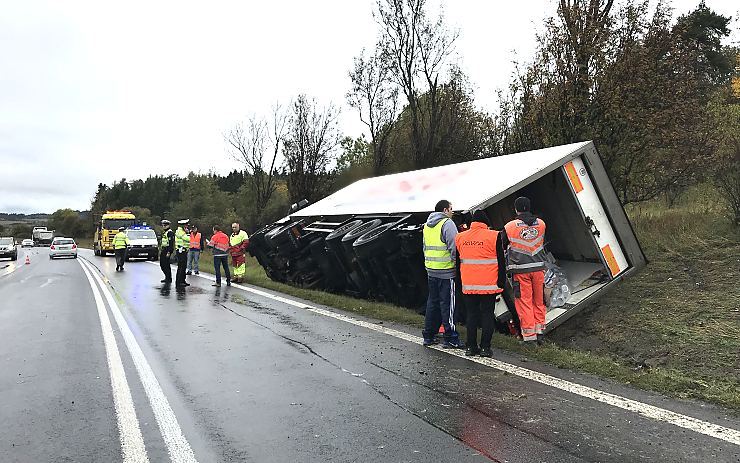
120, 240
436, 254
165, 240
526, 246
182, 240
478, 259
195, 241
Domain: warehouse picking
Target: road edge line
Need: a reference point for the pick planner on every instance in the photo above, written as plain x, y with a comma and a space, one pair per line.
129, 431
177, 445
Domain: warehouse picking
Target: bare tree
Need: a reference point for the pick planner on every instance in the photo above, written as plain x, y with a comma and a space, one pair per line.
256, 144
416, 50
310, 146
377, 102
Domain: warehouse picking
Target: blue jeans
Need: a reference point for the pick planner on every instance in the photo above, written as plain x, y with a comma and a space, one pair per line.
193, 260
218, 261
440, 309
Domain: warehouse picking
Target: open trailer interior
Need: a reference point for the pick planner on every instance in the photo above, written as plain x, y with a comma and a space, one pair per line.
365, 239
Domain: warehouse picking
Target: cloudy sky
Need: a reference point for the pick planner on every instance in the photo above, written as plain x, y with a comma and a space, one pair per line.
92, 92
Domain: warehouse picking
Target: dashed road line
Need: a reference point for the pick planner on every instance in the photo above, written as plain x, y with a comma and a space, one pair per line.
132, 442
177, 445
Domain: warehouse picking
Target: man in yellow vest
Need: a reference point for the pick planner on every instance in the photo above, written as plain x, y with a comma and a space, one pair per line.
439, 259
238, 242
182, 245
166, 248
120, 242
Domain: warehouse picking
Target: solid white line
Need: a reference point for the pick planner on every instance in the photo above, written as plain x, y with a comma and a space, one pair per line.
132, 442
177, 446
649, 411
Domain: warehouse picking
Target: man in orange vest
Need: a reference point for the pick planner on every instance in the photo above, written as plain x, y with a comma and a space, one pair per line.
483, 279
524, 240
196, 245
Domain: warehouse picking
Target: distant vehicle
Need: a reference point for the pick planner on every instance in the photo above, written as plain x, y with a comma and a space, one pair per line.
36, 235
27, 243
7, 248
143, 242
107, 228
45, 237
63, 247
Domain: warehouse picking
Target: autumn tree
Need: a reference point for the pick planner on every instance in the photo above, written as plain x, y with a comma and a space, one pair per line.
311, 142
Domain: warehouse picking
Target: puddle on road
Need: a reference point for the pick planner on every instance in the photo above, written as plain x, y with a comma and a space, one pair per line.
281, 317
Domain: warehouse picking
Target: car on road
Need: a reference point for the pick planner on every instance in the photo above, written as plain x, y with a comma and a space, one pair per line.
143, 242
61, 247
27, 243
7, 248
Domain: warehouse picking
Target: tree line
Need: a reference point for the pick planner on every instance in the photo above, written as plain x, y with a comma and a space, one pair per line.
659, 96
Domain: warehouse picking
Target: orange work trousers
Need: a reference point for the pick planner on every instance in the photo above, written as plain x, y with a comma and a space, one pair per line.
530, 305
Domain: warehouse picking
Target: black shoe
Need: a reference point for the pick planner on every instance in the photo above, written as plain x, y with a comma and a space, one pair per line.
197, 273
540, 339
217, 285
186, 284
430, 342
188, 273
164, 281
228, 283
471, 351
486, 352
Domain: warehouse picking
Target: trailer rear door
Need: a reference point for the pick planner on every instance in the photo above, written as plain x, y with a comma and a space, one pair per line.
593, 212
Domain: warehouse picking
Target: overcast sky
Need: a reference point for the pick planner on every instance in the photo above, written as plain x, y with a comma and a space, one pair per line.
92, 92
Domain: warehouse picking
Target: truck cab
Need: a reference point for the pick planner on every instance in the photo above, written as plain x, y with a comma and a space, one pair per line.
107, 228
143, 242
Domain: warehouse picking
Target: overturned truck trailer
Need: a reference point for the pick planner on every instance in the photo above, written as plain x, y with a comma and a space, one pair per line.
366, 239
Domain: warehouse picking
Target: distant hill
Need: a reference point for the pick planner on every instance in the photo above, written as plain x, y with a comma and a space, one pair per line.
15, 217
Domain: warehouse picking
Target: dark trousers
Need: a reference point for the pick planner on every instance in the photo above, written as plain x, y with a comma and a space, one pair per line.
182, 262
120, 257
218, 261
440, 309
479, 310
164, 264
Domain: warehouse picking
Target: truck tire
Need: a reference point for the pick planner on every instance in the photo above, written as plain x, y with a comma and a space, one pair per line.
368, 244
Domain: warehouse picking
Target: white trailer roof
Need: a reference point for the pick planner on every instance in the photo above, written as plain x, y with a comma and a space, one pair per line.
466, 185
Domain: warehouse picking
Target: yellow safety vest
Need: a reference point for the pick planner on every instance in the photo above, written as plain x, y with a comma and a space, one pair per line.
182, 239
436, 254
120, 241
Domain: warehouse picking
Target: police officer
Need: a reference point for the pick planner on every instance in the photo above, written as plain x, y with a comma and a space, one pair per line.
182, 246
165, 250
120, 242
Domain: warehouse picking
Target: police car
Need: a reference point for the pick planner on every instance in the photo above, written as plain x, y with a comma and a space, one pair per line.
143, 242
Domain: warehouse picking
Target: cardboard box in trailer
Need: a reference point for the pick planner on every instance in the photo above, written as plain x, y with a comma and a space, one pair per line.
587, 229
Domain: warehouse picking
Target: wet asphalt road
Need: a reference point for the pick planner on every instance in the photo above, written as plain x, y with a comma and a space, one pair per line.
250, 378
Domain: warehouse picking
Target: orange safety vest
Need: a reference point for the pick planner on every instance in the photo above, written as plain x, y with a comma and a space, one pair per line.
478, 260
526, 252
195, 241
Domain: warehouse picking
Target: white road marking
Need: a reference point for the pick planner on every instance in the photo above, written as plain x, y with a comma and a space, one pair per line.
132, 442
177, 446
649, 411
48, 281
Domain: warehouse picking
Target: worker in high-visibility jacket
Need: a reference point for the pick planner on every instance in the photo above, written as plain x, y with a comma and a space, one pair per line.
483, 278
439, 260
120, 243
182, 245
166, 248
196, 245
524, 240
238, 242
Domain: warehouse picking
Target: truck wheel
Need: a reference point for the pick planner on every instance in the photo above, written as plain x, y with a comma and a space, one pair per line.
102, 253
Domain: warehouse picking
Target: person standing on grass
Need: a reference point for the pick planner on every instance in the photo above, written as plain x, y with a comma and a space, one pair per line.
524, 241
482, 274
196, 245
439, 259
238, 242
220, 244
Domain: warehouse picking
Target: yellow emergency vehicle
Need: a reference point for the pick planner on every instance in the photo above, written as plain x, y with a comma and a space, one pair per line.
107, 228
